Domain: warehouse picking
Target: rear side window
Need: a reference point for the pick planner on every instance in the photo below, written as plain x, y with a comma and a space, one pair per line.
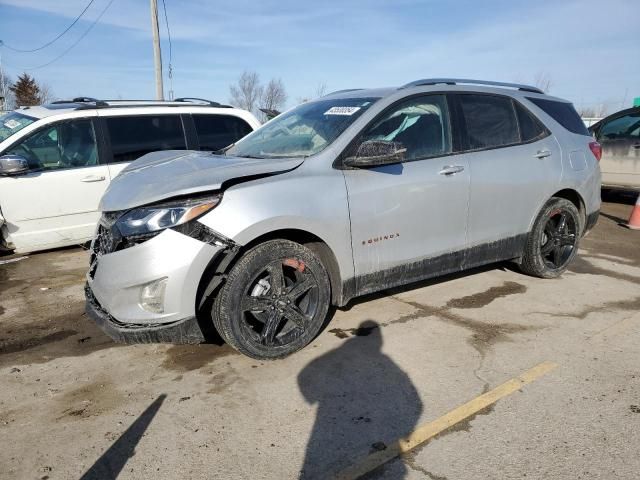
218, 131
563, 113
132, 137
490, 121
530, 127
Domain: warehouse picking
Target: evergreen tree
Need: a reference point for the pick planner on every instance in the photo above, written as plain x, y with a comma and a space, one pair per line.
26, 91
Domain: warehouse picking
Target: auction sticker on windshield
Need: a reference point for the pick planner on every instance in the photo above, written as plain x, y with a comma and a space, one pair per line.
11, 124
342, 110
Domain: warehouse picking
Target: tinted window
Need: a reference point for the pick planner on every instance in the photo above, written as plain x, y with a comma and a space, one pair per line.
563, 113
63, 145
530, 126
627, 127
490, 121
132, 137
218, 131
420, 124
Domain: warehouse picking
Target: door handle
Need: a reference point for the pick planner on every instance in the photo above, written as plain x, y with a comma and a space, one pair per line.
93, 178
542, 154
637, 145
451, 170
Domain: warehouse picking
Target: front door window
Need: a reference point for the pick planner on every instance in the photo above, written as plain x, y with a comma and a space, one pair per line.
420, 125
63, 145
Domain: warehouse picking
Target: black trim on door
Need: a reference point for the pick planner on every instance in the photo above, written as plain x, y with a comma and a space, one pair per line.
430, 267
190, 133
104, 149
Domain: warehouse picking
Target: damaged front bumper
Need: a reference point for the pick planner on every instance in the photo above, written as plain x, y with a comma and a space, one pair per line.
181, 331
117, 280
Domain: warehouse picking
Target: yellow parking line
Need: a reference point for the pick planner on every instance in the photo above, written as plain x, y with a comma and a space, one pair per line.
431, 429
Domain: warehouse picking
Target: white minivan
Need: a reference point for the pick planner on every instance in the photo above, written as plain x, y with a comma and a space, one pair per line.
57, 160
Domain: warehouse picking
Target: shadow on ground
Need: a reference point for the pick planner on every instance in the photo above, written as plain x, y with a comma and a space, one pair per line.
111, 463
365, 402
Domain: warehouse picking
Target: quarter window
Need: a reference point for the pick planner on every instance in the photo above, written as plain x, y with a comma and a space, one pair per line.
420, 124
218, 131
530, 127
64, 145
563, 113
490, 121
132, 137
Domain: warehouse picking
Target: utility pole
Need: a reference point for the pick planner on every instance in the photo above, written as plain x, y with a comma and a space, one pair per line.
3, 87
157, 56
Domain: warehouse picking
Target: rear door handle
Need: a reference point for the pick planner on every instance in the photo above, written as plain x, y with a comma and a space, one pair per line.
637, 145
451, 170
542, 154
93, 178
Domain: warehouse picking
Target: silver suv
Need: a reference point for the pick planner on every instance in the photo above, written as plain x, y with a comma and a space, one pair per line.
356, 192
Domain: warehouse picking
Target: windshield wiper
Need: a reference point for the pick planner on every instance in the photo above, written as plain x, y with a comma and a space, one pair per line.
223, 151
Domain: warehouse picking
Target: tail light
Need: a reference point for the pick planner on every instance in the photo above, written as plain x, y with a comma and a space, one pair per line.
596, 149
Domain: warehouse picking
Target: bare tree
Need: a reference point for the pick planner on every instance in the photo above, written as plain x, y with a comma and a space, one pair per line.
543, 81
247, 92
7, 98
46, 93
587, 112
274, 95
321, 89
596, 111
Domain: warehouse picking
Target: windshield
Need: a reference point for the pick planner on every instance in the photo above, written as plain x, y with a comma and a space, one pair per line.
303, 131
13, 122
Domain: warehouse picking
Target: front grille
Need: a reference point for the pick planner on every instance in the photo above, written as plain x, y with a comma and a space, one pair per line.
107, 240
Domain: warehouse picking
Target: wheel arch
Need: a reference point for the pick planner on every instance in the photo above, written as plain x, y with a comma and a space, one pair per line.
574, 197
215, 274
315, 244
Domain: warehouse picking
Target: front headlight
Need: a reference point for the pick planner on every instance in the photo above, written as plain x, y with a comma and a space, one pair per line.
154, 218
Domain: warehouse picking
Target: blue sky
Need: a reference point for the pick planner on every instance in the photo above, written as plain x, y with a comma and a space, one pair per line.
589, 49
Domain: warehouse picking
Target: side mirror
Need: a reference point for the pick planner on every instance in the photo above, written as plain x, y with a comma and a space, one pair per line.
373, 153
13, 165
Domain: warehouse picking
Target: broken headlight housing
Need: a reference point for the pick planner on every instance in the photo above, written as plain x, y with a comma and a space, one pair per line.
152, 219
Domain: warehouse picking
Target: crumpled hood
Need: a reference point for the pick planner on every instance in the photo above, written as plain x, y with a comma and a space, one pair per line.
172, 173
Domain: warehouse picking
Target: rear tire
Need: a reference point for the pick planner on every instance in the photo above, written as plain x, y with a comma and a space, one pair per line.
274, 302
554, 240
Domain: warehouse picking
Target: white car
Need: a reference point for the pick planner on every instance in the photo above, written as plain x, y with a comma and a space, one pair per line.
57, 160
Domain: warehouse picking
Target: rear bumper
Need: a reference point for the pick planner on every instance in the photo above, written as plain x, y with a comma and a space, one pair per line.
182, 331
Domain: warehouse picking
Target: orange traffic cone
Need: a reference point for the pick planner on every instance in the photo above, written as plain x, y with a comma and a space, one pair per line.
634, 219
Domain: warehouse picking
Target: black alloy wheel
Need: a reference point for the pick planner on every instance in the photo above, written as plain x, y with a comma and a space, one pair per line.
559, 239
554, 239
274, 301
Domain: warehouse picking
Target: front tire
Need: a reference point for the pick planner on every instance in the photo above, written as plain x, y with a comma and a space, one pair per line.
274, 302
554, 240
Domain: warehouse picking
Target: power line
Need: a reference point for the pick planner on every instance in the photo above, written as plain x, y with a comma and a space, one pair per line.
170, 71
86, 32
49, 43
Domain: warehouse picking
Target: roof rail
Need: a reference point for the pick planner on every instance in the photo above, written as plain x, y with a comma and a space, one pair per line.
456, 81
344, 91
201, 100
98, 103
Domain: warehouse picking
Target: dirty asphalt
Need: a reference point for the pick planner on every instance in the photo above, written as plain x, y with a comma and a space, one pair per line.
75, 405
